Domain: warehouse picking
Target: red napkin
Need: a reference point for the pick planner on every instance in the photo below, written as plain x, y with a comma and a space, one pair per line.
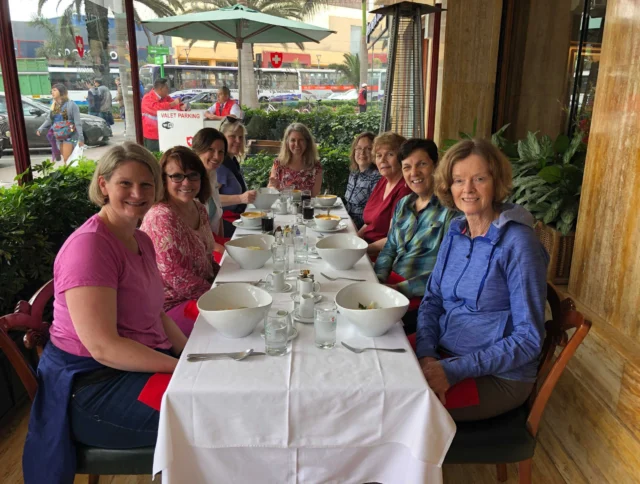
462, 394
151, 394
221, 240
414, 302
230, 216
191, 309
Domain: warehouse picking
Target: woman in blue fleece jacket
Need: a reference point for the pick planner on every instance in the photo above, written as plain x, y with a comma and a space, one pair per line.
484, 303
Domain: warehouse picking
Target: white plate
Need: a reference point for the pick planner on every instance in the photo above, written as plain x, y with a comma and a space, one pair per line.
341, 226
238, 224
293, 334
266, 287
300, 319
317, 298
338, 204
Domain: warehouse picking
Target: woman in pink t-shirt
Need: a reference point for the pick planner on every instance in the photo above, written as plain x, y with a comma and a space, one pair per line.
179, 229
110, 333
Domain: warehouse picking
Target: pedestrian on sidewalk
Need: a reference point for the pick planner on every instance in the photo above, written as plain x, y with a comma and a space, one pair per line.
362, 98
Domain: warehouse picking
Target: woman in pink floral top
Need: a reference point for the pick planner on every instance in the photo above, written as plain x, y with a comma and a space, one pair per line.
179, 229
297, 166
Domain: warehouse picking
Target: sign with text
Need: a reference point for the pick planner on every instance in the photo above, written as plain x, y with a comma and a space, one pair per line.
155, 50
276, 59
178, 127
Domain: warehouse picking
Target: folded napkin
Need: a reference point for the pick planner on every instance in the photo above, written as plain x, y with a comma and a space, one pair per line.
395, 278
151, 394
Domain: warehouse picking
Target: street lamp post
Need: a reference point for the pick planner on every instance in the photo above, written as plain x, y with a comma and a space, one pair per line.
318, 57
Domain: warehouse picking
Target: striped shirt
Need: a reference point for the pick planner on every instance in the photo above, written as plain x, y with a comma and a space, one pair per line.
359, 188
413, 243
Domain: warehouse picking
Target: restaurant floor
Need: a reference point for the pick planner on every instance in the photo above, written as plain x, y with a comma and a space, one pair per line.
13, 435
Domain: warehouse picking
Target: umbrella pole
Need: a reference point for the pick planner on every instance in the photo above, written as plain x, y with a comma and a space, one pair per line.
239, 76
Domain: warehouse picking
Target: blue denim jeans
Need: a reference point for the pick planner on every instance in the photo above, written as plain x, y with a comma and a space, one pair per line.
108, 414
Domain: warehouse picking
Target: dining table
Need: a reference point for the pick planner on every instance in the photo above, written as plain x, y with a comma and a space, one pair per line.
311, 416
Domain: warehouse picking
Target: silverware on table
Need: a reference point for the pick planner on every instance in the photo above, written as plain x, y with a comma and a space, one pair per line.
360, 350
338, 278
253, 283
238, 356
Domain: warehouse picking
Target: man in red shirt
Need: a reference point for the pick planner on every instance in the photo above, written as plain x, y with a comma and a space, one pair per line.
224, 107
156, 100
362, 98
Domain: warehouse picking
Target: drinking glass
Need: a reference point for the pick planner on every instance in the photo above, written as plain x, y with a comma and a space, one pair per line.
276, 333
267, 221
280, 255
301, 249
307, 210
305, 195
324, 325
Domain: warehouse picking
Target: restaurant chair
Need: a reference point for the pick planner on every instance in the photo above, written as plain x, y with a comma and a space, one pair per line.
94, 461
511, 437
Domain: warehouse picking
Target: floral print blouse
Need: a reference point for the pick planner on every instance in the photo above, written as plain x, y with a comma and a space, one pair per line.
294, 179
184, 255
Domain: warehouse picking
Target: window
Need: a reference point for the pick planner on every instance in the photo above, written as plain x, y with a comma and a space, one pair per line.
354, 46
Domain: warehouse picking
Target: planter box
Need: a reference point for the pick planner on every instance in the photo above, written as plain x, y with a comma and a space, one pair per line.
560, 249
258, 145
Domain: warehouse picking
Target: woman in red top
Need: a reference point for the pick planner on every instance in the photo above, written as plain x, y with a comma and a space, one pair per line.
389, 190
298, 164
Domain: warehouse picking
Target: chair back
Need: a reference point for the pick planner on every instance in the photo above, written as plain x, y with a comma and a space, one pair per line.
28, 317
564, 318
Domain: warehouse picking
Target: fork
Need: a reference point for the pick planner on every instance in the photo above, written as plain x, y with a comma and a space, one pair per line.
338, 278
238, 356
360, 350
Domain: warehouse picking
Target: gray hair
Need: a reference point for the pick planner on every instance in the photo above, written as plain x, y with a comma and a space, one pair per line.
108, 164
228, 127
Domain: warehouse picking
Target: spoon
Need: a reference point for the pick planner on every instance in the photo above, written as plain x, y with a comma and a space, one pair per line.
239, 356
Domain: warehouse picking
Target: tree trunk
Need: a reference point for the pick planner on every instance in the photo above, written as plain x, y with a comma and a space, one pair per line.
248, 93
125, 74
364, 54
98, 35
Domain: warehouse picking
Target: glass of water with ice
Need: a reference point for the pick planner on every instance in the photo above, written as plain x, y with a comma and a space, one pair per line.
324, 325
276, 333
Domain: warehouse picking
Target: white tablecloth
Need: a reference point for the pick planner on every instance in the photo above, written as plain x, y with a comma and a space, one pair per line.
312, 416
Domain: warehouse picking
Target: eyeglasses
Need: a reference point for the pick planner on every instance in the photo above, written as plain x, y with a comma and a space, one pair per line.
179, 177
231, 119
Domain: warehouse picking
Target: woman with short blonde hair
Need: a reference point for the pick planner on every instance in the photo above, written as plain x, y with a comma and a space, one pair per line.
110, 333
298, 164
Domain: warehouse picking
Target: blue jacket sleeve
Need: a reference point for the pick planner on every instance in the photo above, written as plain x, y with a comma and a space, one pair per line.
525, 266
387, 256
74, 114
432, 308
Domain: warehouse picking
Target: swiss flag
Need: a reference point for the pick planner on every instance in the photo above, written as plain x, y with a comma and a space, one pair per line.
276, 59
80, 45
189, 141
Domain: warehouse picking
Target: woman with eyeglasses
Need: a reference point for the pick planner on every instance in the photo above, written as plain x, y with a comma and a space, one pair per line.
178, 226
234, 195
363, 177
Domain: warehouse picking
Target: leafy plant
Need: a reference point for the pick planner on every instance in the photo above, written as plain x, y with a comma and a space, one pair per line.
547, 178
350, 69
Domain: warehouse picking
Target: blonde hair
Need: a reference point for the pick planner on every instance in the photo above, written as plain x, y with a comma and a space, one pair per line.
499, 168
353, 166
310, 156
108, 164
390, 139
228, 127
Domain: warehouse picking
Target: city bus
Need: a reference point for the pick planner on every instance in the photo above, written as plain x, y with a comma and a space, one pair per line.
75, 79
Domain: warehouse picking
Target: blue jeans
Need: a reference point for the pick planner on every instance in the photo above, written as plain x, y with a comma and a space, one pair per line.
108, 414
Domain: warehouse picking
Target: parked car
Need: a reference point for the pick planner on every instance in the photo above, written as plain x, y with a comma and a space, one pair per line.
4, 133
208, 96
96, 130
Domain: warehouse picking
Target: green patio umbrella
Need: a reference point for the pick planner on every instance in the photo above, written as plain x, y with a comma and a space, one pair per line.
237, 24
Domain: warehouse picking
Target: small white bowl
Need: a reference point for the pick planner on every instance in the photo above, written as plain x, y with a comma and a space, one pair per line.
234, 309
326, 222
341, 251
326, 200
252, 251
392, 305
296, 194
251, 219
266, 198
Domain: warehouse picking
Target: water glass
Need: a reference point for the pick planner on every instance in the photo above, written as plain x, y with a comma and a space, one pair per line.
276, 333
280, 255
267, 222
307, 210
301, 250
324, 325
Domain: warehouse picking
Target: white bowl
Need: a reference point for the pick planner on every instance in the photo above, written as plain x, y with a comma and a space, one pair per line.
392, 305
251, 218
327, 200
296, 194
326, 222
341, 251
266, 198
234, 309
251, 258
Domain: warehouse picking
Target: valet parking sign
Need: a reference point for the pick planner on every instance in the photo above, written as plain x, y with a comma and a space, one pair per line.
178, 127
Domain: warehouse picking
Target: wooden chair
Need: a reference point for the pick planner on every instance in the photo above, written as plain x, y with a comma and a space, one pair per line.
511, 437
94, 461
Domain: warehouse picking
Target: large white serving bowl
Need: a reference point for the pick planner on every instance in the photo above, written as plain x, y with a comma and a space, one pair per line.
235, 309
265, 198
392, 305
341, 251
251, 258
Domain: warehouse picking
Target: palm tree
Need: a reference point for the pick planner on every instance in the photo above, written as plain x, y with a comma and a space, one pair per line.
350, 69
291, 9
60, 42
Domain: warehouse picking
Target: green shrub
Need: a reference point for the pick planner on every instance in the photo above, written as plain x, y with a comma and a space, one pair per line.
115, 110
36, 219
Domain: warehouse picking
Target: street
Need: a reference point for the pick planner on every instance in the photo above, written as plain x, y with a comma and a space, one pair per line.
8, 167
